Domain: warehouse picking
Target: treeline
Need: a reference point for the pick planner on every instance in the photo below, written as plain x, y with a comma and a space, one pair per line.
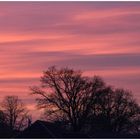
82, 104
87, 104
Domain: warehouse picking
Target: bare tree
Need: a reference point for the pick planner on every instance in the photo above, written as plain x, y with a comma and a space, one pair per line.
116, 112
125, 112
15, 112
68, 92
83, 100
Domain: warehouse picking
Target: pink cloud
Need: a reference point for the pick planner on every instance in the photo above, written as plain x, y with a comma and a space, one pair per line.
98, 37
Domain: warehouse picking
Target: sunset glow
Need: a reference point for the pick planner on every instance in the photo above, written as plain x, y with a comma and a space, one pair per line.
99, 38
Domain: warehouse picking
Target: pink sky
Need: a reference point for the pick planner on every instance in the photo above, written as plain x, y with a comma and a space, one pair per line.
101, 38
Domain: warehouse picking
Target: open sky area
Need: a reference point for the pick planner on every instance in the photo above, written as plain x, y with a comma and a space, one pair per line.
99, 38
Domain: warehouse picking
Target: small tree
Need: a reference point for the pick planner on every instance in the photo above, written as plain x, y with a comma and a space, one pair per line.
15, 112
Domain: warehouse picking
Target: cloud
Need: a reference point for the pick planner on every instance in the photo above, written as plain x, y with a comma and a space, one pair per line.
100, 61
97, 37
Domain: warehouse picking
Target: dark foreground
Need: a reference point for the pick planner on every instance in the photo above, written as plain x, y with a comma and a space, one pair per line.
42, 129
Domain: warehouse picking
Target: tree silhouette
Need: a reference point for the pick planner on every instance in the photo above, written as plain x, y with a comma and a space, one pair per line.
15, 112
2, 117
126, 110
66, 91
88, 104
117, 112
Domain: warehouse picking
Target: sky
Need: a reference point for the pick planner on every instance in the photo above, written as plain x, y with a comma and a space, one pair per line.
99, 38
